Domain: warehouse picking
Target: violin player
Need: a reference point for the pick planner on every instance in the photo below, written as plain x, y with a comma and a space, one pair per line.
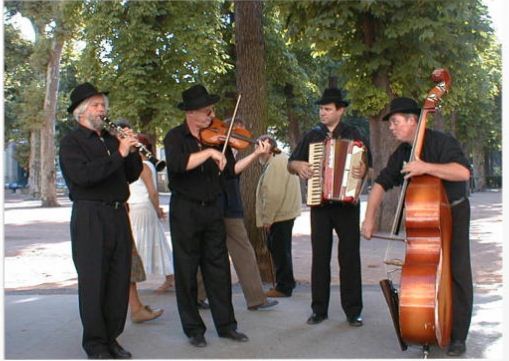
195, 172
442, 157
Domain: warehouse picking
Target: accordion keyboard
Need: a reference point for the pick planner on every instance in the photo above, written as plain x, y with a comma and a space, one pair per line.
315, 183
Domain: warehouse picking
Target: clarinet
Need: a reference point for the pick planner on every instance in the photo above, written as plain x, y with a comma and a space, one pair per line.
116, 129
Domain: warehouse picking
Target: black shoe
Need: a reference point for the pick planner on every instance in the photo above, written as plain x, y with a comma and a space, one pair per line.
235, 336
198, 341
203, 305
456, 348
100, 355
355, 321
118, 351
314, 319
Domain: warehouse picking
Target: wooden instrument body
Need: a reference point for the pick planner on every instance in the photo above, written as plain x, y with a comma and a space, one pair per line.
425, 301
422, 309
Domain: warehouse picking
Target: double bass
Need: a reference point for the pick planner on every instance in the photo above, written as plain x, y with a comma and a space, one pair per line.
422, 309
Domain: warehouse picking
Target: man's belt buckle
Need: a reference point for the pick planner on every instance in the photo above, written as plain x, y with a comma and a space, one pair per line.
116, 205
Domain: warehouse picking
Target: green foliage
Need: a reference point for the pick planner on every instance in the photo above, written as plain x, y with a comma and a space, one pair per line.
17, 74
292, 64
390, 48
147, 53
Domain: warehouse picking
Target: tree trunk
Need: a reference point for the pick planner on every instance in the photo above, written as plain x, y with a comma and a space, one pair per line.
439, 121
48, 171
294, 133
251, 84
452, 126
478, 181
34, 164
382, 144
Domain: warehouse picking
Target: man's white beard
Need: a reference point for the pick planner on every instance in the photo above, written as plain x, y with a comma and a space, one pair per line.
96, 122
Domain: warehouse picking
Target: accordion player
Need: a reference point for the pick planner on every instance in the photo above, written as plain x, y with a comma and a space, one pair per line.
332, 161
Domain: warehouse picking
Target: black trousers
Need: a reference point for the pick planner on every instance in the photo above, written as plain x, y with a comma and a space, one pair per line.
279, 243
462, 287
199, 239
101, 249
344, 219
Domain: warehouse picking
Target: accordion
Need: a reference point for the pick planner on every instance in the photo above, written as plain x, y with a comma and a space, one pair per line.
332, 162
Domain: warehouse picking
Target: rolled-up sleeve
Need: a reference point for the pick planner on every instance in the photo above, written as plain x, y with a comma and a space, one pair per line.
177, 156
391, 176
451, 151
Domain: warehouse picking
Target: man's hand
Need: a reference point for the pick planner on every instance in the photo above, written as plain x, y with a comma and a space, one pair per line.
367, 228
360, 171
218, 157
262, 147
127, 144
303, 169
415, 168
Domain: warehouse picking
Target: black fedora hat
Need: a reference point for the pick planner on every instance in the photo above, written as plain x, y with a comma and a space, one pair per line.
402, 105
197, 97
82, 92
332, 95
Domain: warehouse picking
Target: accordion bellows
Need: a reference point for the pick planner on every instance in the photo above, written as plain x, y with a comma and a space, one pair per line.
332, 162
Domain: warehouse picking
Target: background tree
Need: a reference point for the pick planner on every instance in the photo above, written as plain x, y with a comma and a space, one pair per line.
17, 74
147, 52
53, 22
252, 85
389, 49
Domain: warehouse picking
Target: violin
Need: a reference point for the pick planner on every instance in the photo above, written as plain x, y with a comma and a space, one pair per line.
240, 138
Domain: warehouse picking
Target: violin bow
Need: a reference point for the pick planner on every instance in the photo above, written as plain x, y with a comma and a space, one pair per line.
231, 125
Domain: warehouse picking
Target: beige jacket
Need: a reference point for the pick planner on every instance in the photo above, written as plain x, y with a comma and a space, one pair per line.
278, 195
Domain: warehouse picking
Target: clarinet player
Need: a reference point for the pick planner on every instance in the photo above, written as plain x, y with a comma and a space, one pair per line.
97, 168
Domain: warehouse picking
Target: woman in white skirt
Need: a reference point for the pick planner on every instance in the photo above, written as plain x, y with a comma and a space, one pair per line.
145, 214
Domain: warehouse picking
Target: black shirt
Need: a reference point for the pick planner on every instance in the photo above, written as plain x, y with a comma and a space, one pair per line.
203, 183
232, 198
94, 169
438, 148
318, 134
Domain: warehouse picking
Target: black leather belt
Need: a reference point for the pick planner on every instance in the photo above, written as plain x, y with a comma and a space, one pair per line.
114, 204
196, 201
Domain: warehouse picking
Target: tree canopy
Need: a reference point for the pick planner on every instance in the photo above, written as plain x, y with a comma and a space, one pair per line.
145, 53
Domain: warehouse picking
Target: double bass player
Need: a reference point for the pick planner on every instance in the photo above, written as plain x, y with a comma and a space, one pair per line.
443, 158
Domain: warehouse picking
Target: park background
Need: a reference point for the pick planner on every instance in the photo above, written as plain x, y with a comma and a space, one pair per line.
279, 55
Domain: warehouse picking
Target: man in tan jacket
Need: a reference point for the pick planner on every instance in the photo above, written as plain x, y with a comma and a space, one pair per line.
278, 203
